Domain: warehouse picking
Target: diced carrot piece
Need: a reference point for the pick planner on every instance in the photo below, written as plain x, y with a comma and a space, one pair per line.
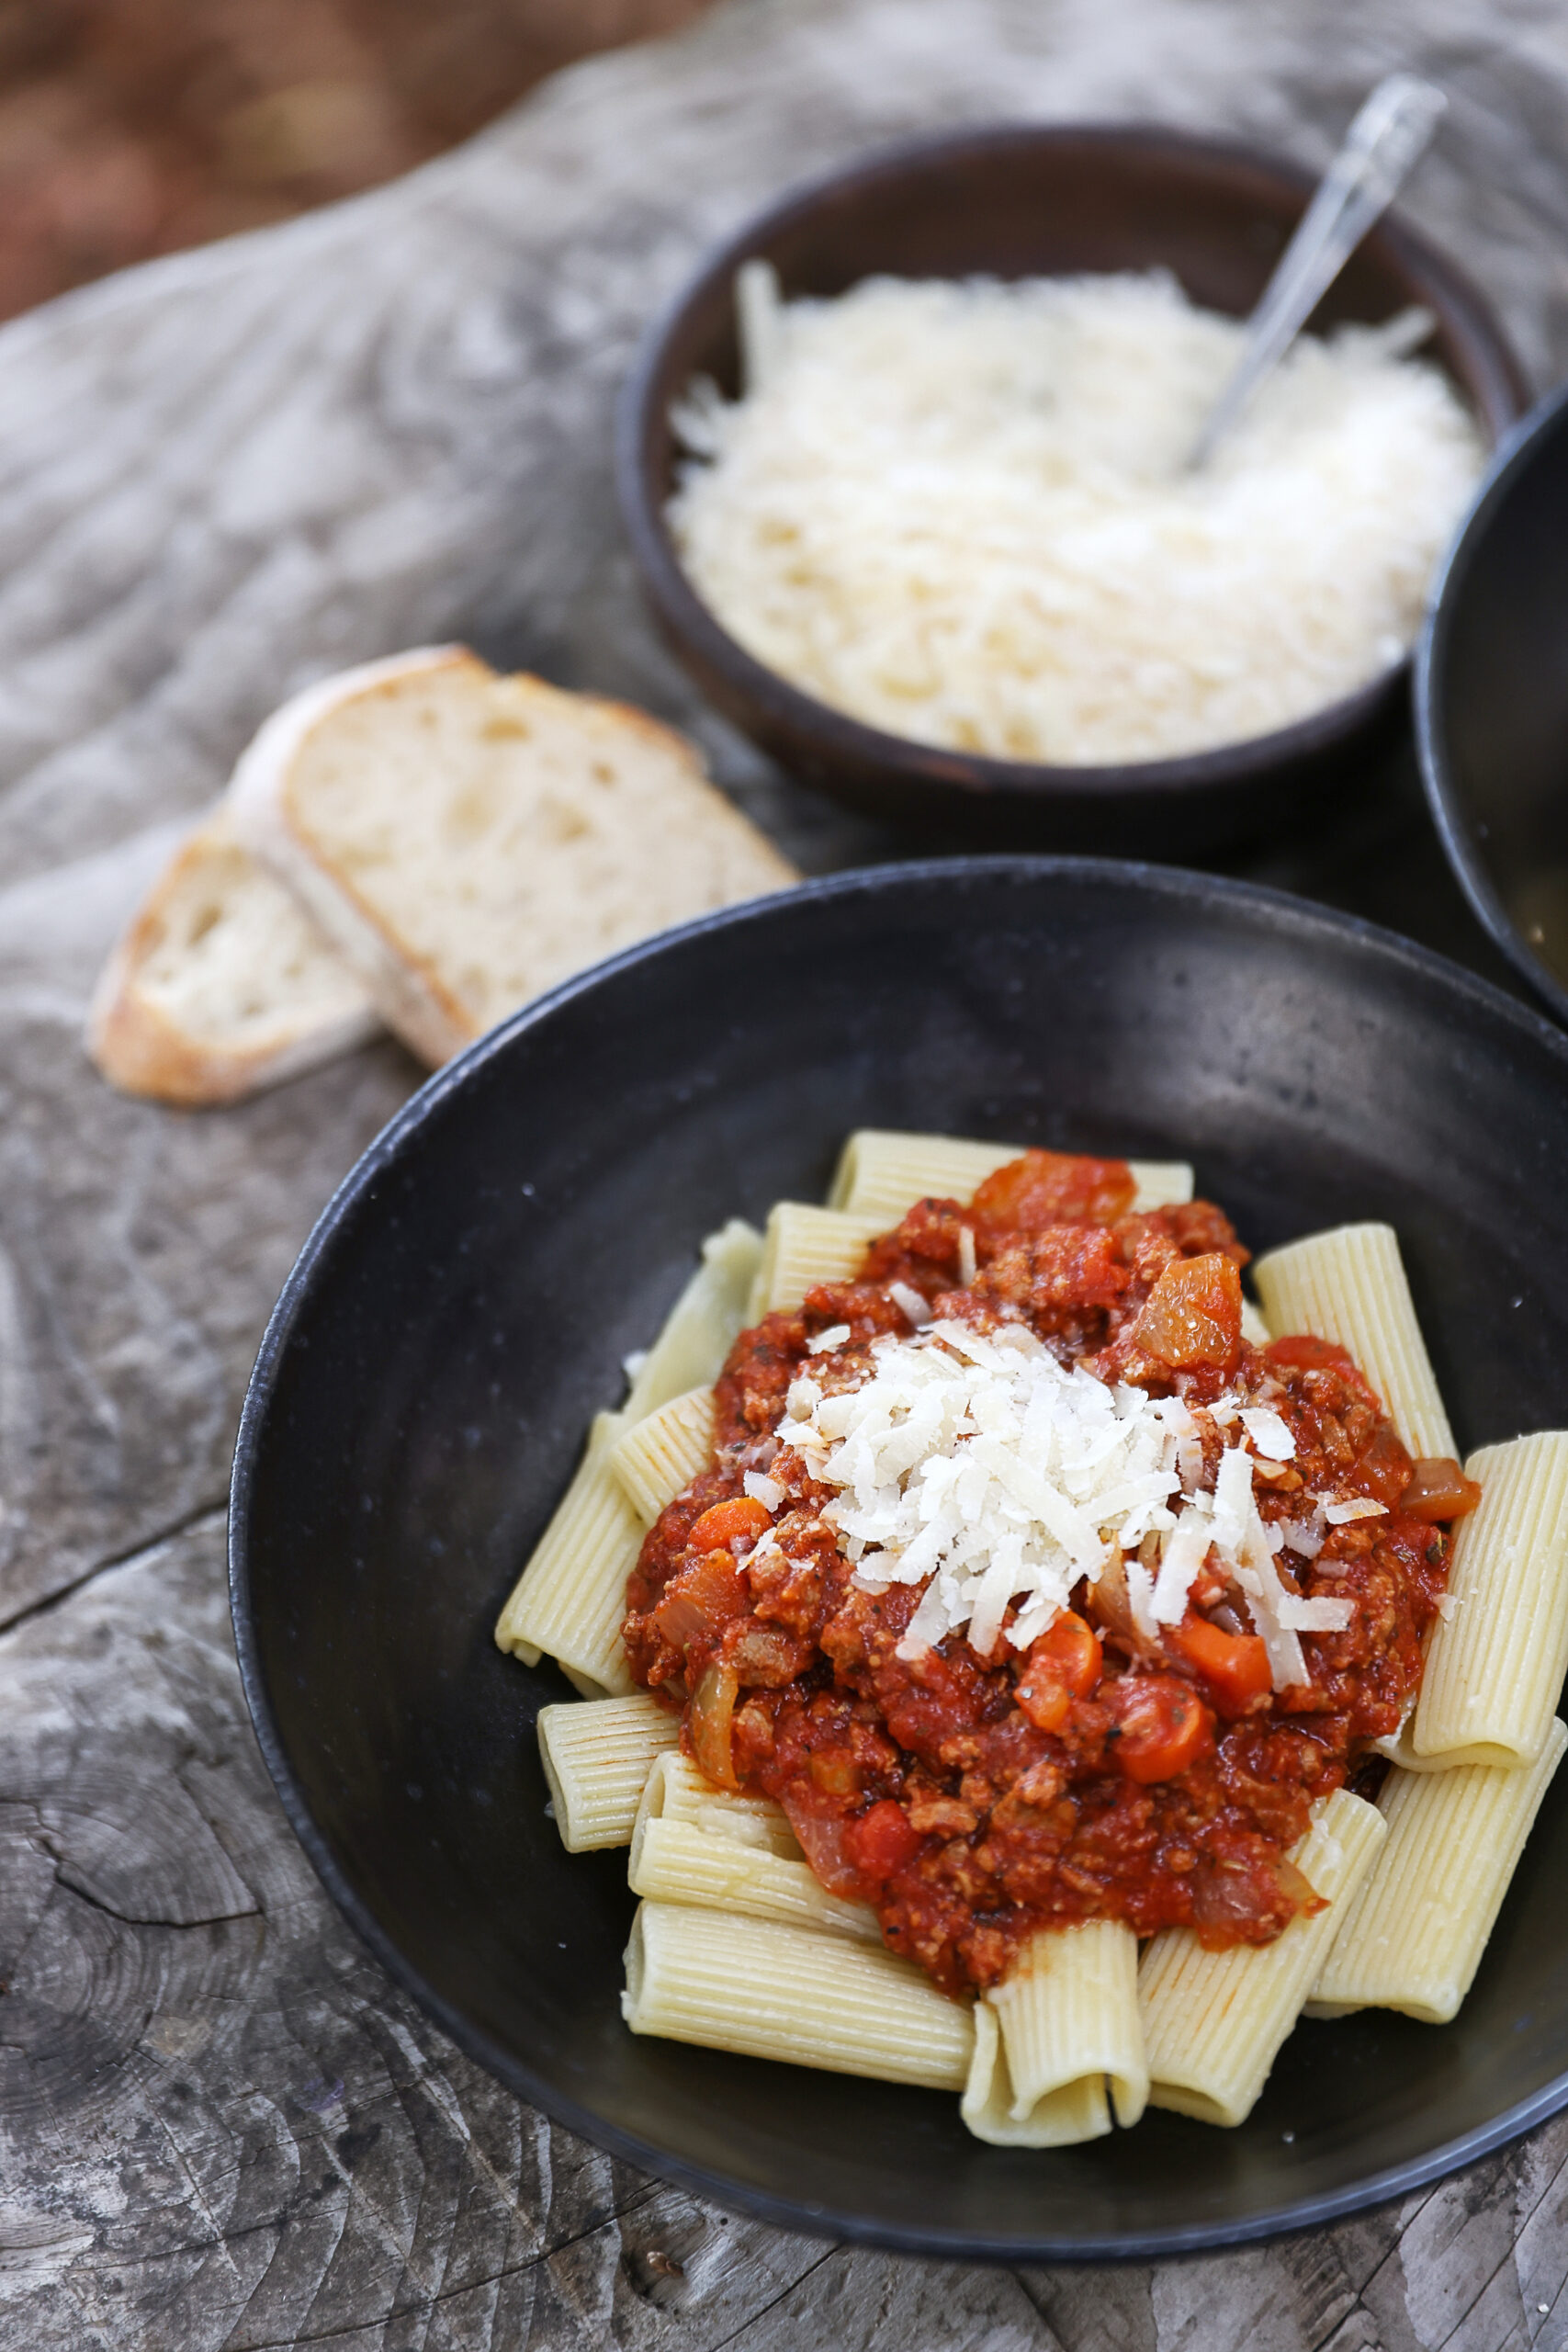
1044, 1700
1162, 1725
1065, 1663
1072, 1647
739, 1516
1233, 1666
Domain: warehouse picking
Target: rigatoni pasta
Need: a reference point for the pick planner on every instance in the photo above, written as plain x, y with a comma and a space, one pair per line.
677, 1792
1179, 1496
707, 1848
597, 1756
659, 1456
769, 1991
1495, 1661
569, 1601
1060, 2040
701, 1327
803, 1246
1213, 2021
1412, 1937
1078, 2109
1350, 1285
880, 1171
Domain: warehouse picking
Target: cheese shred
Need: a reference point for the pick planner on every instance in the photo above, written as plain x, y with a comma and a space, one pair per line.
976, 1466
961, 511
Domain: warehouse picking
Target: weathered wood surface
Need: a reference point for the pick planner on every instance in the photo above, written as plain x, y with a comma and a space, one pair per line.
219, 2125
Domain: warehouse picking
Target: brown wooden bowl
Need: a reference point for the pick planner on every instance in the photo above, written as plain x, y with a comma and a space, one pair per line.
1015, 201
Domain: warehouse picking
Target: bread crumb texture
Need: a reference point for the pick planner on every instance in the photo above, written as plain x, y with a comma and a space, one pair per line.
500, 833
221, 982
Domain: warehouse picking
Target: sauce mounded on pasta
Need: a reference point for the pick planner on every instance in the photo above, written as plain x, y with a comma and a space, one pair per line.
977, 1787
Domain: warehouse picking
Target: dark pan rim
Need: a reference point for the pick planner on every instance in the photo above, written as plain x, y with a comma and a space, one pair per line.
1449, 814
789, 706
1308, 922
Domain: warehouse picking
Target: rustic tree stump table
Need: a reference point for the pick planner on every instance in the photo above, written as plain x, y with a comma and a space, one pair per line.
224, 474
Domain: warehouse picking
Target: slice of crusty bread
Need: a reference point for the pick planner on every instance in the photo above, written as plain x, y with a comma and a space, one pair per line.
467, 840
220, 984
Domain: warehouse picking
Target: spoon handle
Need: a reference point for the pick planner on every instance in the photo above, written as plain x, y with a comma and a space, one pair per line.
1382, 144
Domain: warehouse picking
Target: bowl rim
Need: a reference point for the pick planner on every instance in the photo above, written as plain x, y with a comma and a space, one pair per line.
789, 707
1449, 815
1307, 920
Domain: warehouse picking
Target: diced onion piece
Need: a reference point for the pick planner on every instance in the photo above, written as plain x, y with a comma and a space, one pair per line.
713, 1706
1438, 1489
1192, 1315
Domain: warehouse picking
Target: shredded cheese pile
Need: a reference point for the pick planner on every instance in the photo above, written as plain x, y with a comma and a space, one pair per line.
980, 1467
961, 511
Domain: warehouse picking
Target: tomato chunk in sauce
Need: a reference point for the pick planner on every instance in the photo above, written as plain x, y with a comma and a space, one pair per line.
1098, 1770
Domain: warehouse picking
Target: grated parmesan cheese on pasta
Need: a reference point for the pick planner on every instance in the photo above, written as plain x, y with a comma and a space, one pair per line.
960, 511
977, 1466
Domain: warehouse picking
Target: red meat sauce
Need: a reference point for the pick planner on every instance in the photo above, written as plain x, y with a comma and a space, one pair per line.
974, 1800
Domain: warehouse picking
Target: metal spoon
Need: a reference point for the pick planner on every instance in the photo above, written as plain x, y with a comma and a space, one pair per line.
1382, 144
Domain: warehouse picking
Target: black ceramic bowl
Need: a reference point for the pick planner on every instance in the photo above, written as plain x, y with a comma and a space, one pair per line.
1492, 702
1017, 201
464, 1306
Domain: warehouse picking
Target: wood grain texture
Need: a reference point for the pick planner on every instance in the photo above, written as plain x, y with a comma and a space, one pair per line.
139, 1249
220, 2126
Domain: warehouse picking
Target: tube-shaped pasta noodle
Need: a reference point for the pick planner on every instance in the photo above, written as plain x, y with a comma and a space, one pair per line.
701, 1325
1069, 2024
597, 1756
1348, 1286
1496, 1662
571, 1601
1213, 2021
1079, 2110
733, 1983
1161, 1184
881, 1172
1495, 1668
659, 1456
1413, 1935
804, 1244
1396, 1746
679, 1861
677, 1791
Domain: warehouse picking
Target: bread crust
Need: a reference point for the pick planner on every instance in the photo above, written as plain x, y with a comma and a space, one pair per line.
265, 822
409, 989
141, 1048
136, 1036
